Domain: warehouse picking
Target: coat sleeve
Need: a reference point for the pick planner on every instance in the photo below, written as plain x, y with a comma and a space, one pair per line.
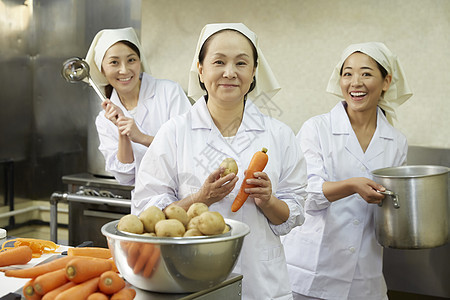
309, 138
291, 187
109, 141
157, 180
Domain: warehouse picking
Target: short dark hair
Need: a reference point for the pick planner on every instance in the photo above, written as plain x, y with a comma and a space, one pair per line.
202, 54
109, 88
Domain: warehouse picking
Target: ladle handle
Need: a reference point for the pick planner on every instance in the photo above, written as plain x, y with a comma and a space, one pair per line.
96, 89
394, 197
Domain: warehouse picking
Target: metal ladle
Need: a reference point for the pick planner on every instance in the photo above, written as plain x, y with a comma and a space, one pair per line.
75, 69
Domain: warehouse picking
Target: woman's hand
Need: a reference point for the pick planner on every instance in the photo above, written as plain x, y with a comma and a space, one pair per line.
127, 127
112, 111
367, 189
262, 190
215, 188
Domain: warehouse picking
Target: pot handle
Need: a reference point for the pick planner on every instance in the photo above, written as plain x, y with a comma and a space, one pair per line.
394, 197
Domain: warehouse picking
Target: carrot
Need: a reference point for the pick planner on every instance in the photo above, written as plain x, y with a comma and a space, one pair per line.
50, 281
53, 293
133, 254
110, 282
16, 256
90, 251
28, 291
124, 294
82, 269
80, 291
38, 246
97, 296
257, 164
35, 271
145, 252
151, 263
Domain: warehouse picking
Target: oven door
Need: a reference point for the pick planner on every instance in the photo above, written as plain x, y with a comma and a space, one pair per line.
87, 215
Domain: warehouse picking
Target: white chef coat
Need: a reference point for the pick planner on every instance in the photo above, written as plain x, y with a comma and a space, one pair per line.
159, 100
334, 254
188, 148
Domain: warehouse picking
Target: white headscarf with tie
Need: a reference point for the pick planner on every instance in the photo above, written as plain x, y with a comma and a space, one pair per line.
265, 79
399, 90
102, 41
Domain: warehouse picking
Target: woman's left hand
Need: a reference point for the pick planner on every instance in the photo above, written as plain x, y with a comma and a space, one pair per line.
262, 190
128, 127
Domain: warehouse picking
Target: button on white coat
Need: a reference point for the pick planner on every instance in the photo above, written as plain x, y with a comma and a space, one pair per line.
352, 249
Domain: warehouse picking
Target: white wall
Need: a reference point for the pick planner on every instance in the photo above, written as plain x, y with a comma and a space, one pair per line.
302, 41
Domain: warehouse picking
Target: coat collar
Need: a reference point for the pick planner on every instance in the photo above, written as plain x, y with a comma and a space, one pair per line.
146, 92
252, 123
340, 125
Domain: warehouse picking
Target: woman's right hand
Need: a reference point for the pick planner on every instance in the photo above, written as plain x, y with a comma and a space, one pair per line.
215, 188
112, 111
367, 189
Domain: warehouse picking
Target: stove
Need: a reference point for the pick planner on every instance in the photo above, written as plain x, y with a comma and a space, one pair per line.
93, 201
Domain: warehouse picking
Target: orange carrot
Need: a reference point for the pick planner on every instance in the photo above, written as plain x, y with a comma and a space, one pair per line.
40, 269
110, 282
124, 294
38, 246
50, 281
53, 293
90, 251
82, 269
257, 164
145, 252
80, 291
149, 267
16, 256
28, 291
97, 296
133, 254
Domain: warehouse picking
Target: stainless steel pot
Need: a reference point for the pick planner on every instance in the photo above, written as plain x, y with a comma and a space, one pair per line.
414, 213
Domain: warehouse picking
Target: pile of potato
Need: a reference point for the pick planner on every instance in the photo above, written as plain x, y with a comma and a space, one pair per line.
175, 222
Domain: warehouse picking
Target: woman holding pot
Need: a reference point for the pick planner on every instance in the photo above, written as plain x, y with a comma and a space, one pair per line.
137, 104
182, 164
334, 254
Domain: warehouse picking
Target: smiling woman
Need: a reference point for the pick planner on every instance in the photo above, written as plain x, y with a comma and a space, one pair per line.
137, 103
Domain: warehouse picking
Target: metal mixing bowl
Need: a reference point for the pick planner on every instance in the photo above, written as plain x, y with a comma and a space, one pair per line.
182, 265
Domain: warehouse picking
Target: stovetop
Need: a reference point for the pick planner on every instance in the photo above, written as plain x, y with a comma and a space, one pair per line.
89, 180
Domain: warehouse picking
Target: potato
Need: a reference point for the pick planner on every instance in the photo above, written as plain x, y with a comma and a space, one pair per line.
197, 209
151, 234
169, 228
230, 166
193, 232
178, 213
150, 216
193, 223
226, 229
130, 223
210, 223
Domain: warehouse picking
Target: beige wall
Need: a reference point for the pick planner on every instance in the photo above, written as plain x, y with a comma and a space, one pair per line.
302, 41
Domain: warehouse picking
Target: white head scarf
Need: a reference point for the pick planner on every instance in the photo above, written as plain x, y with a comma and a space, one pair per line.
398, 91
265, 79
103, 40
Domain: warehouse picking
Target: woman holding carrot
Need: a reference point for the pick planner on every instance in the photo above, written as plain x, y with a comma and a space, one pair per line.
181, 167
335, 255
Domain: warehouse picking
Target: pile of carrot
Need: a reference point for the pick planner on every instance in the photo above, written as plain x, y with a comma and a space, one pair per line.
86, 273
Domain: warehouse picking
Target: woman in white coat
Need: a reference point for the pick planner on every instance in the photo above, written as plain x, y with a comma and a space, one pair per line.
335, 255
181, 166
136, 104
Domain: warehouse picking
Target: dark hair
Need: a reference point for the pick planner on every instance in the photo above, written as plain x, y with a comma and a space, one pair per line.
109, 88
202, 53
383, 71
